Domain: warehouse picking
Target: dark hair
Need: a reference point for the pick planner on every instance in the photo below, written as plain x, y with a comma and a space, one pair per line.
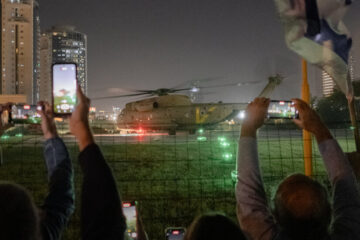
18, 214
214, 226
302, 208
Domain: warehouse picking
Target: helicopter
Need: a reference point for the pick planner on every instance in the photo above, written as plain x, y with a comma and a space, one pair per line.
167, 111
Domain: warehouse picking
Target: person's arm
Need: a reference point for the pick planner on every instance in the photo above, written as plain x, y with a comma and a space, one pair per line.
346, 198
253, 211
101, 211
101, 208
59, 203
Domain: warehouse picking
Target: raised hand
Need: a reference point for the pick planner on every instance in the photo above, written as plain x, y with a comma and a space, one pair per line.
47, 120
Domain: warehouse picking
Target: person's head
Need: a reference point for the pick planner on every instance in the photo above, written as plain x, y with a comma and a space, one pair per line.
302, 208
18, 214
214, 226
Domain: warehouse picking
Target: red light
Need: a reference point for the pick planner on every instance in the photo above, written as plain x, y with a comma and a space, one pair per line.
126, 204
27, 107
282, 103
176, 232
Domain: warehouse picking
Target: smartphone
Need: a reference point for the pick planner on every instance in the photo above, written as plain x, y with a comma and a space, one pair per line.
129, 209
175, 233
25, 114
282, 110
64, 86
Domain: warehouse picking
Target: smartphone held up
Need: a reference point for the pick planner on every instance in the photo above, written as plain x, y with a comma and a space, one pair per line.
130, 213
64, 86
282, 110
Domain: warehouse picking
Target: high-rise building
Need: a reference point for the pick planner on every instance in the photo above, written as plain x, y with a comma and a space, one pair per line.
62, 44
20, 48
328, 84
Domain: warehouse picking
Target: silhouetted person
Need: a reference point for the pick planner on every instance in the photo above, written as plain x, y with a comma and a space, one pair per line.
302, 209
101, 207
19, 218
214, 226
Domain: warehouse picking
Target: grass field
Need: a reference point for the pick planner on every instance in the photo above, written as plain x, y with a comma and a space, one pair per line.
172, 180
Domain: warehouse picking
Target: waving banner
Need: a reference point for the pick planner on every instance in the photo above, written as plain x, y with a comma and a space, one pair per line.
315, 31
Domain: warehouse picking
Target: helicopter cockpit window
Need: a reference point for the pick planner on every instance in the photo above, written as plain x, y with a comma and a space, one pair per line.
155, 104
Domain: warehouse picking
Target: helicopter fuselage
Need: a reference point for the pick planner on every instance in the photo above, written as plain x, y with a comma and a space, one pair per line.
175, 112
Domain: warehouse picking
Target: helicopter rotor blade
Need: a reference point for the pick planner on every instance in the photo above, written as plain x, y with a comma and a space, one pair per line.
120, 96
239, 84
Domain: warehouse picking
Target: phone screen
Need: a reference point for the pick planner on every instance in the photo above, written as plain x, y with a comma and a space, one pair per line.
282, 109
64, 88
25, 114
175, 233
129, 209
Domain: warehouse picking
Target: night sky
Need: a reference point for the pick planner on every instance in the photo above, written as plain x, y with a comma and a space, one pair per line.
150, 44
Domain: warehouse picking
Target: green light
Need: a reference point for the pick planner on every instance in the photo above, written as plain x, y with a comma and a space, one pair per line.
227, 156
201, 138
201, 131
5, 137
234, 176
225, 144
221, 139
352, 128
19, 135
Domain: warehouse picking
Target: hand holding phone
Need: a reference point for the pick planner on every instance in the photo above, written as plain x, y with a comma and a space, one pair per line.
130, 212
64, 86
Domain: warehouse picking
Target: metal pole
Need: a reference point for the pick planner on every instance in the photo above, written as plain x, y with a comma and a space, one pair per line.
307, 141
351, 104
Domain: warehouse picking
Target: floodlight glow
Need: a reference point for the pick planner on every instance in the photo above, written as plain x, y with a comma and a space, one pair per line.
221, 139
227, 156
241, 115
195, 89
225, 144
5, 137
201, 138
19, 135
201, 130
234, 176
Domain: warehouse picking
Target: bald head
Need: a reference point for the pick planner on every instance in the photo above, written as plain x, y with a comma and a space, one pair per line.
302, 207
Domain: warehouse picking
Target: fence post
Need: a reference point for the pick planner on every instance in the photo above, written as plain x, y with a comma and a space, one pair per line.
307, 141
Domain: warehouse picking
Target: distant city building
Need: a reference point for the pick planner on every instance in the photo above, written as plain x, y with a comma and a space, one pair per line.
20, 48
328, 84
62, 44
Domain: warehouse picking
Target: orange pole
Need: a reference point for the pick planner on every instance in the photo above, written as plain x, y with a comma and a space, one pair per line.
307, 141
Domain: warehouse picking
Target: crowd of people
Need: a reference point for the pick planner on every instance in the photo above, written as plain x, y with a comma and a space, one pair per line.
302, 209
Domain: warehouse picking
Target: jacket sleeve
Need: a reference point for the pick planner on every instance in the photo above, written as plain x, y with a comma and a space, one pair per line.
59, 203
101, 209
253, 211
346, 200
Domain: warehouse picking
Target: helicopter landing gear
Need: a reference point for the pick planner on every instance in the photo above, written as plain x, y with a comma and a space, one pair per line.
192, 131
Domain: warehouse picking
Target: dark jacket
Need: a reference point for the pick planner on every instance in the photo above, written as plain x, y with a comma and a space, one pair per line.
101, 208
59, 203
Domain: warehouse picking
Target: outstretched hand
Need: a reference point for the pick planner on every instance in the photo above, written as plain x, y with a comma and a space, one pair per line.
79, 121
254, 117
47, 120
310, 121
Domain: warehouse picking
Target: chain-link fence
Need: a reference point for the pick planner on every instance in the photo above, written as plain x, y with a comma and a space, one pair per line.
173, 178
